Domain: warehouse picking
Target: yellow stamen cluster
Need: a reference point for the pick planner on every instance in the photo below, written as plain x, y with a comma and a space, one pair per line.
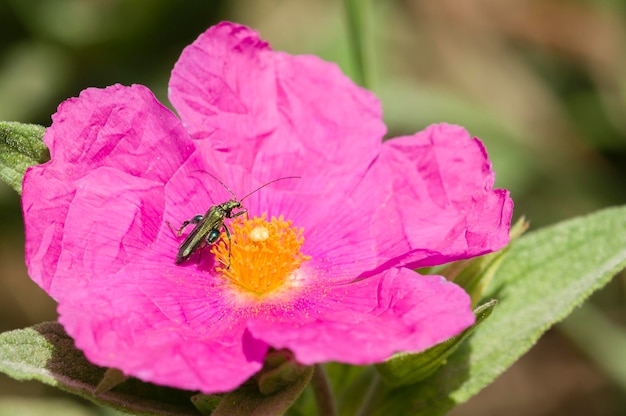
263, 254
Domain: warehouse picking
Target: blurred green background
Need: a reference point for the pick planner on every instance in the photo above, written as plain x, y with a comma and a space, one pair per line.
541, 82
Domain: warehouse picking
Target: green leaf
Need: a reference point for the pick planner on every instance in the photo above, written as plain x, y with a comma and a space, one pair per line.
21, 146
46, 353
545, 275
404, 369
248, 399
44, 406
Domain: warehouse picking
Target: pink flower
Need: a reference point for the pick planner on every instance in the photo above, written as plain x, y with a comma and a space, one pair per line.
335, 282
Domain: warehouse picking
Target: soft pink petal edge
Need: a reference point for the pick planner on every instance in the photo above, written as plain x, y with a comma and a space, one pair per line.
440, 204
272, 114
368, 321
427, 200
142, 343
103, 137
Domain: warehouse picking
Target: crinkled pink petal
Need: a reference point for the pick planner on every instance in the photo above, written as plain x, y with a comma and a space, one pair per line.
299, 131
157, 323
273, 114
428, 199
442, 203
369, 320
92, 220
123, 166
99, 201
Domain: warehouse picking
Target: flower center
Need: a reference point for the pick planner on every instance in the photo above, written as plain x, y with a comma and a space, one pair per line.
260, 255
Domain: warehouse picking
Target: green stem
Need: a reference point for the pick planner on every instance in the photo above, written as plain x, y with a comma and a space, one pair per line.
371, 393
323, 392
359, 29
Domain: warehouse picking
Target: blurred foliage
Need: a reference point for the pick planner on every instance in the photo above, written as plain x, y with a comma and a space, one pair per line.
541, 82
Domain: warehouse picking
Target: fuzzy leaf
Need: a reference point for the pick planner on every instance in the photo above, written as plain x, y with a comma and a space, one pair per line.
45, 353
545, 275
44, 406
21, 146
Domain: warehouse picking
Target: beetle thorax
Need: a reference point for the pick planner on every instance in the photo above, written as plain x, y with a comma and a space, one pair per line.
230, 205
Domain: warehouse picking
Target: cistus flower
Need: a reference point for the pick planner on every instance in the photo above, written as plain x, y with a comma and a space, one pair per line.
321, 264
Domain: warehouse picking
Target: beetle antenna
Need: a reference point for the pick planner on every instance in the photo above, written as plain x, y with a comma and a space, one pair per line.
221, 183
269, 183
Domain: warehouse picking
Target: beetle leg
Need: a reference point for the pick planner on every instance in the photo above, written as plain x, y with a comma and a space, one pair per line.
194, 220
243, 211
227, 231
